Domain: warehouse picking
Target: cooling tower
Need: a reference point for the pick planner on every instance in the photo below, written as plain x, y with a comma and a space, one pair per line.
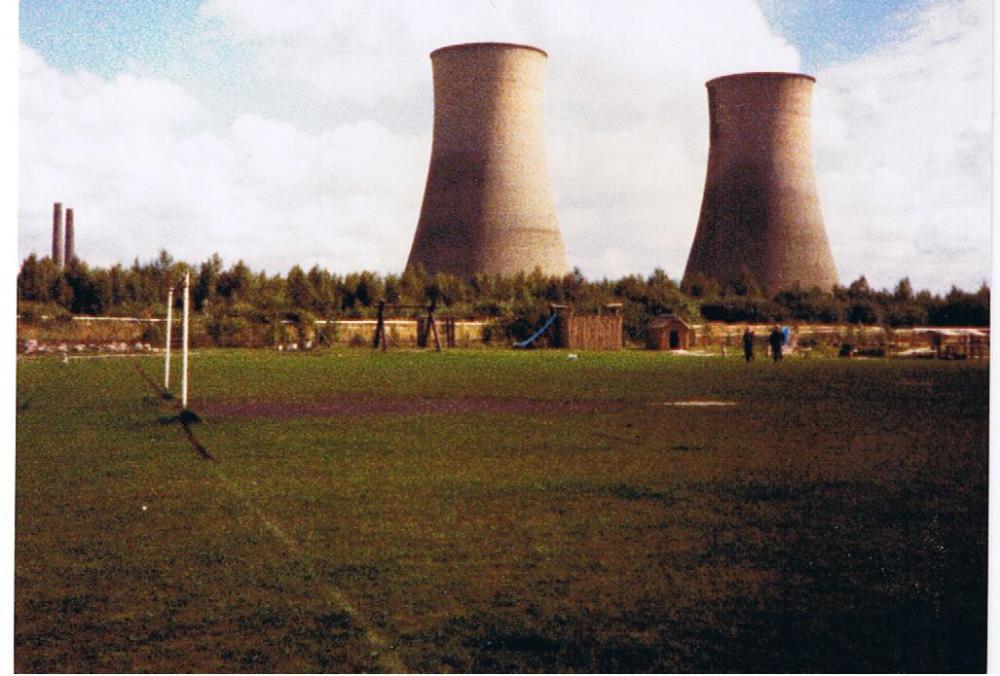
57, 234
488, 206
760, 211
70, 237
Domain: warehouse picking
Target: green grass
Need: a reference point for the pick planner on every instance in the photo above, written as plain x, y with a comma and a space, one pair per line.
833, 520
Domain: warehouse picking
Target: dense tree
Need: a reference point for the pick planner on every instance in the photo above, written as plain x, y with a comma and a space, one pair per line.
116, 276
904, 290
237, 298
235, 284
325, 298
300, 290
960, 308
863, 311
859, 288
36, 280
206, 286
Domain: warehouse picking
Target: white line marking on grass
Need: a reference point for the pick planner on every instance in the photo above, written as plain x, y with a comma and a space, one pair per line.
112, 356
127, 355
387, 658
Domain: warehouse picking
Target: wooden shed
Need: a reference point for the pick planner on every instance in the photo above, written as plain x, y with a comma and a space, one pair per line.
668, 332
603, 331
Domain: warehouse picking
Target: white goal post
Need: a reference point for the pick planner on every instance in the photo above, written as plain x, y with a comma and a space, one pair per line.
170, 316
184, 346
185, 321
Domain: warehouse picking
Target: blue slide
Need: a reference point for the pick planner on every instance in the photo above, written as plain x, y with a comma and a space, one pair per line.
536, 334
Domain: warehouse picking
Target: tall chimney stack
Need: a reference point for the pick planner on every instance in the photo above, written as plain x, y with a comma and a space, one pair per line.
70, 238
488, 206
57, 234
760, 212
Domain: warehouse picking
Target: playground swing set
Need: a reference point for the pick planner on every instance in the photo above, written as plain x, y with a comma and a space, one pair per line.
425, 326
602, 331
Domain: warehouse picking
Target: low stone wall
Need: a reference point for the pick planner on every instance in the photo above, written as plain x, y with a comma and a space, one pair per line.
716, 334
100, 334
399, 332
97, 330
587, 332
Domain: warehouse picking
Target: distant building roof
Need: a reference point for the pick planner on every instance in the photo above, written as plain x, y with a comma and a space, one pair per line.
667, 320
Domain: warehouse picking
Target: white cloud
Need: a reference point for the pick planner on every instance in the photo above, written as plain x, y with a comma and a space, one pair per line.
626, 115
337, 178
145, 168
903, 153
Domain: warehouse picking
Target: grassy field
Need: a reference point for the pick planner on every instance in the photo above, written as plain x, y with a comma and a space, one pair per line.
501, 511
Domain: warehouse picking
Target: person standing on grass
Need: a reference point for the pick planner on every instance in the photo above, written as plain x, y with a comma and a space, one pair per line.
748, 344
776, 339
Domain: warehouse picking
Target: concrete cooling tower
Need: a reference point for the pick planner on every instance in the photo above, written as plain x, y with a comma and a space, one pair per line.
488, 206
760, 211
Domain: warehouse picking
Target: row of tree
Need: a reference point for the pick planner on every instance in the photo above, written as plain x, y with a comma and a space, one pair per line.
518, 303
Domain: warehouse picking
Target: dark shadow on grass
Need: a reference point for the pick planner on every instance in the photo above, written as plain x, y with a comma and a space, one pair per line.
186, 417
688, 448
874, 577
624, 491
619, 491
163, 394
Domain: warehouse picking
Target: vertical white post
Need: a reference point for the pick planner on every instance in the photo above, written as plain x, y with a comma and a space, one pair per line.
184, 353
170, 317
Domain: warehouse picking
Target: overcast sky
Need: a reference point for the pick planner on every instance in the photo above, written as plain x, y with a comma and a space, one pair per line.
299, 131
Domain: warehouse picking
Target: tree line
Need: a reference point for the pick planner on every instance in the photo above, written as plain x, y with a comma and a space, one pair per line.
518, 304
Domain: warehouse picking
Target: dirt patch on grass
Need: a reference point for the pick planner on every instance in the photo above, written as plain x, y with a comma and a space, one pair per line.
393, 405
697, 402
